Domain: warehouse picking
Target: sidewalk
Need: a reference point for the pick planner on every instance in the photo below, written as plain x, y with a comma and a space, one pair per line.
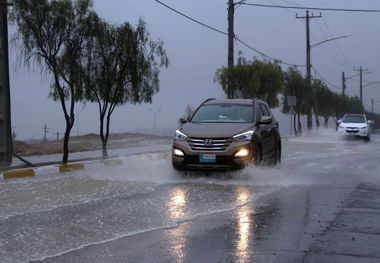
89, 155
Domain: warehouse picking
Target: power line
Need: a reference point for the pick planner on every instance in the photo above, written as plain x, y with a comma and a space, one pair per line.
356, 75
192, 19
322, 77
275, 59
273, 3
226, 34
291, 2
327, 53
371, 83
238, 4
315, 8
336, 58
337, 44
333, 48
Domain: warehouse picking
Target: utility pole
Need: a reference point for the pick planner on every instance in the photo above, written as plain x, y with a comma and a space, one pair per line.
231, 36
45, 132
6, 145
308, 59
361, 82
57, 136
343, 83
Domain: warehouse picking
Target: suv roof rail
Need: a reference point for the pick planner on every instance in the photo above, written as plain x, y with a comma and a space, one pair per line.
257, 99
208, 100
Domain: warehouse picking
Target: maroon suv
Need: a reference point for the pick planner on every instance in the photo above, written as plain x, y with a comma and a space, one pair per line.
227, 134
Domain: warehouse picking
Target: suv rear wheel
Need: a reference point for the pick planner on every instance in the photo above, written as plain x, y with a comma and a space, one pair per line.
277, 156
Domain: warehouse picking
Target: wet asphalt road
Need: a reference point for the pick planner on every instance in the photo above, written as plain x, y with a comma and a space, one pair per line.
322, 204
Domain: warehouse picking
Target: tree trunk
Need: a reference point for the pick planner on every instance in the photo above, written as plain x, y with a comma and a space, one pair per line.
104, 148
69, 118
69, 126
102, 137
326, 122
299, 124
317, 122
294, 125
105, 139
336, 123
66, 145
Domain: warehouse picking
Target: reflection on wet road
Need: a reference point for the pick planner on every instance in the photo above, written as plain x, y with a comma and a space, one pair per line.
145, 211
243, 248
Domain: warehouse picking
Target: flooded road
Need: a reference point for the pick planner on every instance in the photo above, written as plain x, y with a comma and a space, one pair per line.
144, 211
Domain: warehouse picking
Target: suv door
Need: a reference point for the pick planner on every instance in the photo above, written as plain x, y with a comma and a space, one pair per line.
273, 129
265, 129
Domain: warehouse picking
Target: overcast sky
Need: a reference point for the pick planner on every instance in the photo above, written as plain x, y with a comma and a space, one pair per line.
196, 52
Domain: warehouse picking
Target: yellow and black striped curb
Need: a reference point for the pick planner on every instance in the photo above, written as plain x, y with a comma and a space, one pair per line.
61, 168
18, 173
67, 167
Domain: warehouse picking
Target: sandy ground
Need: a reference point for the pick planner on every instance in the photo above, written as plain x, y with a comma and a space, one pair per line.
88, 142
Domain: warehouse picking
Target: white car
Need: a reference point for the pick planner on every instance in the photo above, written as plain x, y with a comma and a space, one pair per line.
355, 125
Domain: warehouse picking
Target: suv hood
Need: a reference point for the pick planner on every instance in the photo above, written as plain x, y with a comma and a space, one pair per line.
353, 125
214, 130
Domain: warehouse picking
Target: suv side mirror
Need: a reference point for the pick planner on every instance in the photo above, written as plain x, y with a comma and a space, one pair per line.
339, 121
266, 120
183, 120
370, 122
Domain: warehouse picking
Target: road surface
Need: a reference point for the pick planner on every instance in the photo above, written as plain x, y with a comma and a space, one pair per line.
322, 204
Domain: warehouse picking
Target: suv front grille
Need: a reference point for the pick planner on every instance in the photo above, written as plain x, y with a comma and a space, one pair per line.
209, 144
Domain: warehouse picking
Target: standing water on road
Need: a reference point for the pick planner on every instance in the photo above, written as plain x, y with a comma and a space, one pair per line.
104, 214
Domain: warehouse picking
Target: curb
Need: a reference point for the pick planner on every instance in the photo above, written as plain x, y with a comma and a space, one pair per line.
61, 168
18, 174
66, 167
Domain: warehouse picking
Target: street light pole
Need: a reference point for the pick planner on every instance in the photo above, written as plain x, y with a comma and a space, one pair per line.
330, 39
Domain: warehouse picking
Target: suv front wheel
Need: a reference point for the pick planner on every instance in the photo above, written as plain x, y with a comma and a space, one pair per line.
258, 156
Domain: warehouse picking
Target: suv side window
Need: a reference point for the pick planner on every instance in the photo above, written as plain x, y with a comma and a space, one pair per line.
264, 110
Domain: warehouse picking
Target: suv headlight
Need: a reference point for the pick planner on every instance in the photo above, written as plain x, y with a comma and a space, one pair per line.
245, 136
365, 127
179, 136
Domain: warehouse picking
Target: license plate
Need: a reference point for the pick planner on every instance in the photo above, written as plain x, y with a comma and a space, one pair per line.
207, 158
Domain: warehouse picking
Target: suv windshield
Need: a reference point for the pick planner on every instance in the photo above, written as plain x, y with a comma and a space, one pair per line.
224, 113
353, 119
